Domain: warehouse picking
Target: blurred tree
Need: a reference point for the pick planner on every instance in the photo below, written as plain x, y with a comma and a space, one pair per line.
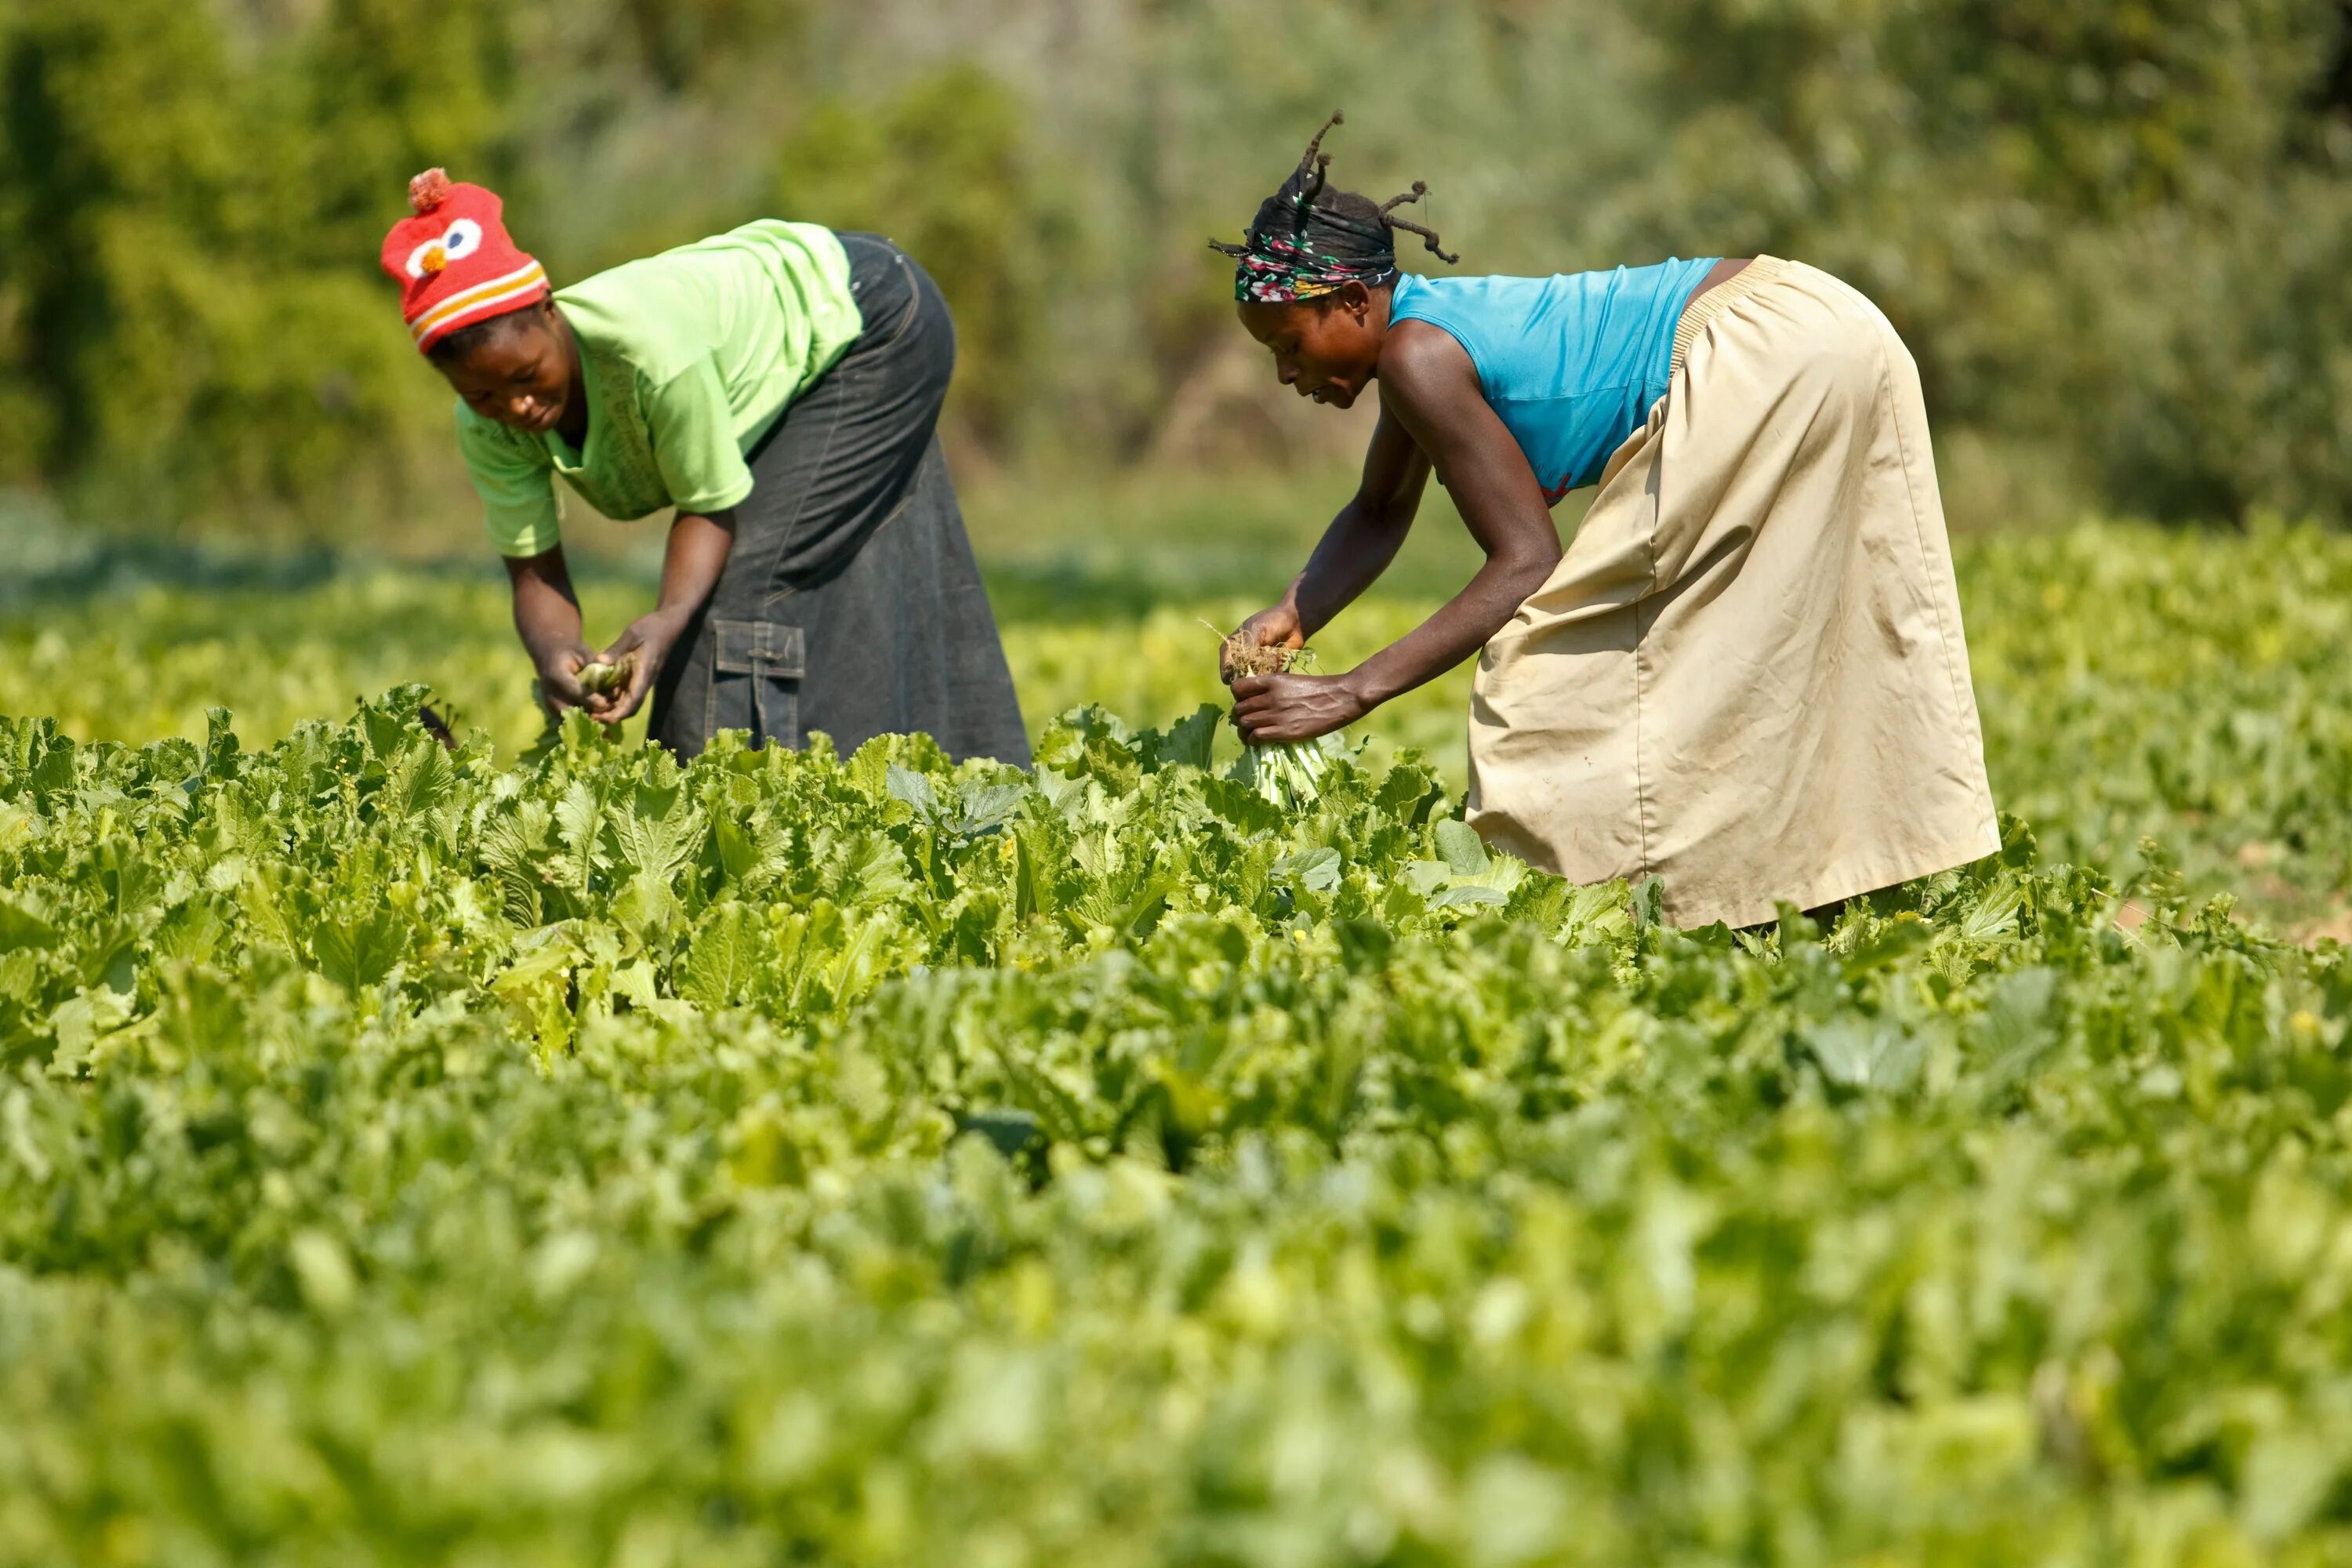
2113, 235
387, 88
683, 42
118, 137
940, 167
189, 246
2074, 214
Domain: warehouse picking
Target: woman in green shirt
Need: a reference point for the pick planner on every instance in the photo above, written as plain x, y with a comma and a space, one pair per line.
779, 386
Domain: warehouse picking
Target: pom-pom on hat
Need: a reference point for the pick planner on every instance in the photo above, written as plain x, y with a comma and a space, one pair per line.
453, 260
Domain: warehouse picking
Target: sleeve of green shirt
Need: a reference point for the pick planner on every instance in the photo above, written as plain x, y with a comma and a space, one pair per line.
693, 432
519, 509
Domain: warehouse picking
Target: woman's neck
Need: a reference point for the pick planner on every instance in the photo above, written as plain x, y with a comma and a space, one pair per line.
1380, 319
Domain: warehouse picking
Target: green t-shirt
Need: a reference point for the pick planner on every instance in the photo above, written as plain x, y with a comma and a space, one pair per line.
688, 357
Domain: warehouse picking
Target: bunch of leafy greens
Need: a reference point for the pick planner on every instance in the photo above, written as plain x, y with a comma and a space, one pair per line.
1289, 773
864, 1160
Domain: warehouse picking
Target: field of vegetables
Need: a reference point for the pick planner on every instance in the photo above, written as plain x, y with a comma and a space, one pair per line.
411, 1157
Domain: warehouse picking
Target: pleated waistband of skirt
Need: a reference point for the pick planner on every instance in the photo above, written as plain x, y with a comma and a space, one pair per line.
1759, 273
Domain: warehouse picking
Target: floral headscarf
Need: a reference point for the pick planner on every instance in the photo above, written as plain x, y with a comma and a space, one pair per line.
1273, 270
1301, 248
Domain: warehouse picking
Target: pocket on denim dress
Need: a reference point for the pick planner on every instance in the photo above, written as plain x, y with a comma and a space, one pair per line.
755, 681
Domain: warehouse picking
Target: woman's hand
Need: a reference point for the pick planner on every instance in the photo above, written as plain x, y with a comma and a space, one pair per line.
547, 618
1276, 626
645, 643
1272, 709
559, 664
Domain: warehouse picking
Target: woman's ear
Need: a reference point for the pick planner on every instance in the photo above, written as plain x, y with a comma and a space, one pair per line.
559, 329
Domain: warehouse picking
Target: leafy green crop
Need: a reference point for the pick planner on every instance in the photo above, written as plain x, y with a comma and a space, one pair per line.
805, 1158
2134, 682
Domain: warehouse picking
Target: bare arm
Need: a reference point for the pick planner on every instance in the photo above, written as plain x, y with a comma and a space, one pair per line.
547, 619
1430, 392
691, 563
1359, 544
1364, 538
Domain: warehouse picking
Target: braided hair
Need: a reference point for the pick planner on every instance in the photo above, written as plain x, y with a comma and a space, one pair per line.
1309, 240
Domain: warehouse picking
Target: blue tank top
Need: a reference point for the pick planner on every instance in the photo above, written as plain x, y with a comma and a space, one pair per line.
1572, 363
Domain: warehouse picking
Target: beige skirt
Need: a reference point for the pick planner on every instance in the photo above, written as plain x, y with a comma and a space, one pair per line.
1747, 676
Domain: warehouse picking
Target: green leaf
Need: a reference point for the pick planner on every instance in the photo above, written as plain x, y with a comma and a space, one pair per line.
356, 955
1026, 901
20, 929
916, 790
52, 776
1316, 871
1649, 903
736, 855
1889, 945
723, 959
1189, 742
422, 780
982, 808
2016, 1030
1459, 846
1866, 1052
80, 1022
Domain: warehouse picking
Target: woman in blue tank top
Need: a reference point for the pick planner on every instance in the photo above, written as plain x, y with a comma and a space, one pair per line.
1746, 675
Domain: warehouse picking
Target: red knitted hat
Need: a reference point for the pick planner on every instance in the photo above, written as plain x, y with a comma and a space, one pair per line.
455, 262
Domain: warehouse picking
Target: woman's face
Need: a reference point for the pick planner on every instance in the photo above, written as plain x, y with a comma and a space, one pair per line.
1327, 349
521, 374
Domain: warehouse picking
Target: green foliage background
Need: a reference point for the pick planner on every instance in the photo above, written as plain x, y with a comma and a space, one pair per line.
2114, 234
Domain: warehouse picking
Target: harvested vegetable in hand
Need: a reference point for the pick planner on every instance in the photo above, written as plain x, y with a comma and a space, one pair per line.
1289, 774
596, 678
601, 679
